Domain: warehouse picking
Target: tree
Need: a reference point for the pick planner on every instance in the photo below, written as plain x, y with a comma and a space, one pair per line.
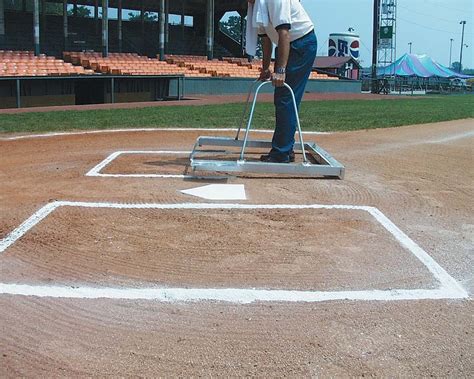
54, 9
231, 27
147, 16
81, 12
456, 66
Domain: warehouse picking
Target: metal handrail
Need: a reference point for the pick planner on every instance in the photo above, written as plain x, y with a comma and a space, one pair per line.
252, 86
249, 123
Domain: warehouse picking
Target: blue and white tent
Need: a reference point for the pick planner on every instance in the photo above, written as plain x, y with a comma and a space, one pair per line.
421, 66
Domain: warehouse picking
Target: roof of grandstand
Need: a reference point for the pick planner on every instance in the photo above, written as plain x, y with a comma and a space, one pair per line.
176, 6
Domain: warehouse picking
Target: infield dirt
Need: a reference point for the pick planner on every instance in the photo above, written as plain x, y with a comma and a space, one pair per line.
421, 177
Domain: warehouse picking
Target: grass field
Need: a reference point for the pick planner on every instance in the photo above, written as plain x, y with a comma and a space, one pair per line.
315, 116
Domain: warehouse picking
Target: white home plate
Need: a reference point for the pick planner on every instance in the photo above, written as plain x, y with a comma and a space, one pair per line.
218, 192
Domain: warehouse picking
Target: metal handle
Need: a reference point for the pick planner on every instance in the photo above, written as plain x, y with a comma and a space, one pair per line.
249, 124
252, 86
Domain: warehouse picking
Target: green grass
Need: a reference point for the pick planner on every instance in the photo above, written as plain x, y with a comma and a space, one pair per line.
317, 116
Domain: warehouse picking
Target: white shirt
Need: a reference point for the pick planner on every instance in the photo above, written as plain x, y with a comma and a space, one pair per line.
286, 12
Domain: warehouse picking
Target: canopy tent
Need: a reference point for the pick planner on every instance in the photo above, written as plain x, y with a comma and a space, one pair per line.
421, 66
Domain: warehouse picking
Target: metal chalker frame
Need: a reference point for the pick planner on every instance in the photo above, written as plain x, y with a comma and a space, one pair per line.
324, 164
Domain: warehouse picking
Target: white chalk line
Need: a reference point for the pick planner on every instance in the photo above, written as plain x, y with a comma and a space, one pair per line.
28, 224
59, 134
405, 145
96, 171
231, 295
436, 270
449, 287
452, 138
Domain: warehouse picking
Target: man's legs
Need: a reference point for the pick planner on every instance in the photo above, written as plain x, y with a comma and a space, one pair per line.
300, 64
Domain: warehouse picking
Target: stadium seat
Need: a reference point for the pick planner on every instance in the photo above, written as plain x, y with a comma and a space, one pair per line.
125, 64
25, 63
215, 68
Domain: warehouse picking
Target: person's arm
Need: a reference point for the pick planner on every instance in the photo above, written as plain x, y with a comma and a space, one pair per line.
267, 58
279, 76
279, 12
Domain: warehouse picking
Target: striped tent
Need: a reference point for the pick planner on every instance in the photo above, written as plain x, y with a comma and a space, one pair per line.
421, 66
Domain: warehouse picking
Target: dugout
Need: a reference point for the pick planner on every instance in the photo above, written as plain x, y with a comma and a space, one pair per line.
81, 90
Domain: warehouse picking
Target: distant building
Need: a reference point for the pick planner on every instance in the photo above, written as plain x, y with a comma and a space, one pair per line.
346, 67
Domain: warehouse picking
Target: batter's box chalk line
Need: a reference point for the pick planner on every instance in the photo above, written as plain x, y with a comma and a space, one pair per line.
96, 171
448, 288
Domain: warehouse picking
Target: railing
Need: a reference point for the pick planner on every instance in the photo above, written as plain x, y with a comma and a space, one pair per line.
412, 85
229, 43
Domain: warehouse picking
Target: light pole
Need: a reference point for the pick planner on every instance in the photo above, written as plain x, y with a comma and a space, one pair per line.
463, 23
410, 43
466, 46
450, 52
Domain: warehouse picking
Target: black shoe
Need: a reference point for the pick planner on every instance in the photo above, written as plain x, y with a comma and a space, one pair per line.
292, 156
269, 158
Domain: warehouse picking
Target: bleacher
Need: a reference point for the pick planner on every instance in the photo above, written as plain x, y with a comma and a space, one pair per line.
24, 63
123, 64
214, 68
317, 76
134, 64
228, 67
84, 33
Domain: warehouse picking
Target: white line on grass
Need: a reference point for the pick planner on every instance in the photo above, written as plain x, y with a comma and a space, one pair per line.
449, 288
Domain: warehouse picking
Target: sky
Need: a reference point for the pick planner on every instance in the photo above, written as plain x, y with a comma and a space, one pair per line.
428, 24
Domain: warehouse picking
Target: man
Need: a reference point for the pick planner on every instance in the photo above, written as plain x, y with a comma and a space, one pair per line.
286, 24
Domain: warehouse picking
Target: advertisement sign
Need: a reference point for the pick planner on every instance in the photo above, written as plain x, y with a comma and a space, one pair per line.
386, 37
344, 45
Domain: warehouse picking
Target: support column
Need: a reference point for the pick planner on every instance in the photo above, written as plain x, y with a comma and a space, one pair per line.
36, 26
65, 25
210, 29
112, 90
105, 28
18, 93
182, 18
375, 45
2, 21
167, 25
96, 16
242, 31
161, 21
142, 26
74, 10
43, 20
119, 25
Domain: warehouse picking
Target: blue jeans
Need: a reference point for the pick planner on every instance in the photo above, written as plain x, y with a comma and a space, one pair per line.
300, 63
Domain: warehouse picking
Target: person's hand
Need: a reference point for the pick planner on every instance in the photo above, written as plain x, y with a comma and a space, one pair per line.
265, 75
278, 80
